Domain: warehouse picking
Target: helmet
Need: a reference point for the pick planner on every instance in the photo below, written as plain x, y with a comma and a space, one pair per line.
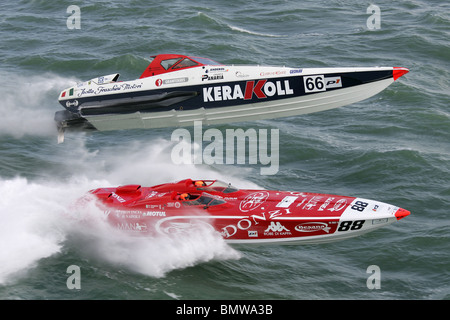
199, 183
184, 196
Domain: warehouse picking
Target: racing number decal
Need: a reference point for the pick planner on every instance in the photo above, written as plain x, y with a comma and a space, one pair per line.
359, 206
314, 83
357, 224
351, 225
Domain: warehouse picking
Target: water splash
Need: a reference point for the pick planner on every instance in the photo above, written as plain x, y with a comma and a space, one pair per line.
38, 218
29, 103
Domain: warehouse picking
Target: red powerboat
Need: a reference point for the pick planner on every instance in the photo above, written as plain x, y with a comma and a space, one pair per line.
242, 216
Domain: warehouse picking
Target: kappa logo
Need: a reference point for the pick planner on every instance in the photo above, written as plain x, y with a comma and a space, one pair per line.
261, 89
276, 227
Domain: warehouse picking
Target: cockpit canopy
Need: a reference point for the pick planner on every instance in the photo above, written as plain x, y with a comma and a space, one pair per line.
164, 63
217, 186
204, 199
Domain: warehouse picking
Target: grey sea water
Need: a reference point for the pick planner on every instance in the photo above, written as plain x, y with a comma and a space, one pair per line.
393, 147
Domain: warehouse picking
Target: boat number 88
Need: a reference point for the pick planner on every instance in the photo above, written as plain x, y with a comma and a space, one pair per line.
359, 206
351, 225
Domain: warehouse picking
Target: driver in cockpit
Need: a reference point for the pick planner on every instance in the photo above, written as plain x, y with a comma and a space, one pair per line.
185, 196
199, 183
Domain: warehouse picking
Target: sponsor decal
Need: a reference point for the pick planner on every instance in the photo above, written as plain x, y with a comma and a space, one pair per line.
272, 73
296, 71
312, 227
154, 214
312, 203
179, 225
286, 202
175, 80
239, 74
138, 213
380, 221
333, 82
173, 205
109, 88
340, 204
117, 197
279, 212
276, 229
252, 234
218, 76
244, 224
151, 194
73, 103
325, 204
135, 226
260, 89
153, 206
253, 201
218, 69
231, 229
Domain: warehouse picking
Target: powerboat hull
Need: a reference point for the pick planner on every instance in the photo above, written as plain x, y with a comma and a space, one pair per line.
241, 216
216, 94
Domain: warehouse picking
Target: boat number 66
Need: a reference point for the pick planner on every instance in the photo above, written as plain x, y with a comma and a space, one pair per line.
314, 83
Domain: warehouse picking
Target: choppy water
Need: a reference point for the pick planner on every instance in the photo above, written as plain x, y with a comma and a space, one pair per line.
393, 147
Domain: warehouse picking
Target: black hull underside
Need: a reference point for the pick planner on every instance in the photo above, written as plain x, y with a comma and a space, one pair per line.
134, 103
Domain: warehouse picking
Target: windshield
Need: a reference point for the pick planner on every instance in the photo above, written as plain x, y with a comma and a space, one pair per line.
166, 64
220, 186
185, 63
206, 61
204, 199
